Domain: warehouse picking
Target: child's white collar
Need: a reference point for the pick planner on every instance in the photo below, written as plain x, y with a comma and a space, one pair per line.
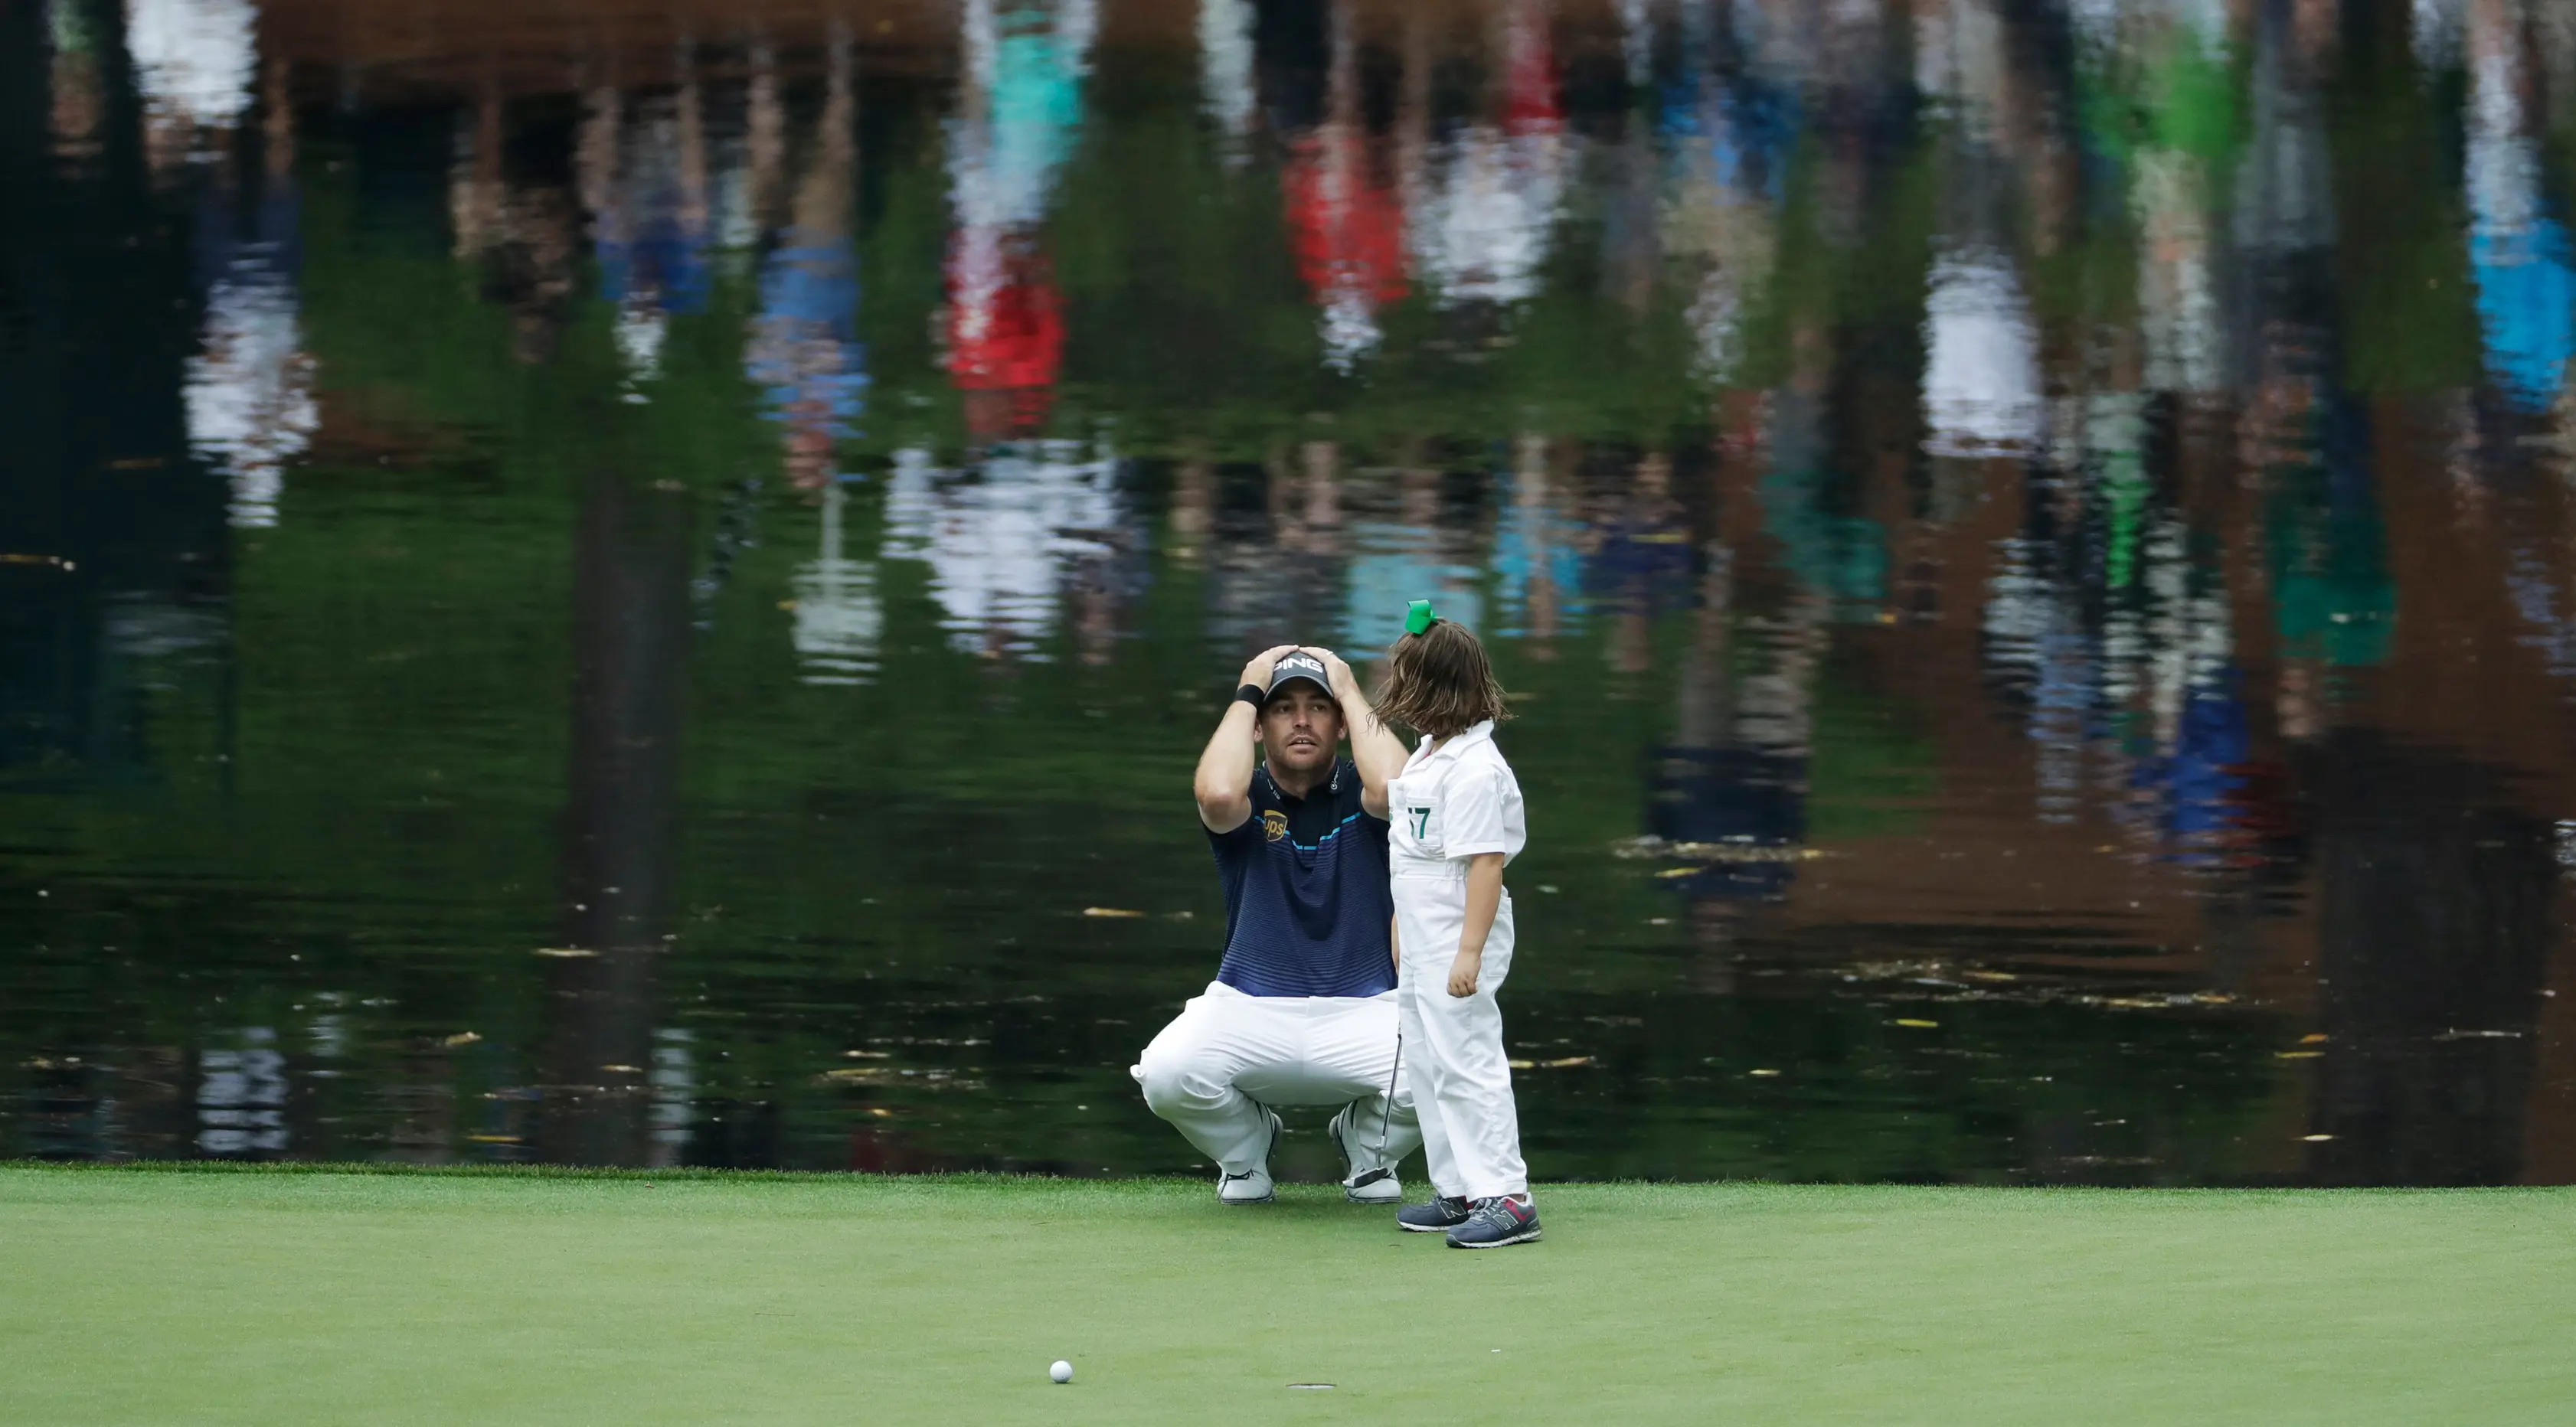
1423, 751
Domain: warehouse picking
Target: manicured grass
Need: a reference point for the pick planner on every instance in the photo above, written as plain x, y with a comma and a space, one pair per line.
339, 1298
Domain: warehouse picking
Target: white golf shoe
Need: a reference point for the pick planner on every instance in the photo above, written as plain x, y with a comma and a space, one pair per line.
1369, 1181
1254, 1185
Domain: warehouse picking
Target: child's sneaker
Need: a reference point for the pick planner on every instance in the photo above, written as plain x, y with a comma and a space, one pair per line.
1497, 1221
1439, 1216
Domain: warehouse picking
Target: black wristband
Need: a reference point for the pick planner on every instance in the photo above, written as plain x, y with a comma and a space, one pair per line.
1252, 694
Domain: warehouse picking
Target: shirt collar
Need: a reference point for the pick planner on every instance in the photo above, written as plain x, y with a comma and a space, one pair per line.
1330, 787
1458, 741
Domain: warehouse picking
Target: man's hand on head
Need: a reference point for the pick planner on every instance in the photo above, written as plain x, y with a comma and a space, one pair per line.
1223, 782
1345, 683
1258, 671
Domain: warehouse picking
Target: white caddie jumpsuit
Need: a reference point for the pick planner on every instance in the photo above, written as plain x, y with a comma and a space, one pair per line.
1451, 804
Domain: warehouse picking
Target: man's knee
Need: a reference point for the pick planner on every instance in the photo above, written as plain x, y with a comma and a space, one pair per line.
1176, 1082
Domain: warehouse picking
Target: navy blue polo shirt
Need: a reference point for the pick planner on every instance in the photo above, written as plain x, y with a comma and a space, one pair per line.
1306, 897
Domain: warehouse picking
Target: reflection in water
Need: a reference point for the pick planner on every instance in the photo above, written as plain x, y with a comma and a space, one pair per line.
1981, 387
1981, 380
1426, 549
193, 61
1348, 220
2434, 941
1004, 540
250, 387
804, 348
2517, 248
631, 622
1489, 204
1225, 69
1734, 781
75, 81
1537, 559
839, 617
240, 1097
650, 223
2033, 541
1024, 64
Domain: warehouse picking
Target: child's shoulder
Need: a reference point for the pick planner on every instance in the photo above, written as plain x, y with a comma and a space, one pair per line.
1490, 756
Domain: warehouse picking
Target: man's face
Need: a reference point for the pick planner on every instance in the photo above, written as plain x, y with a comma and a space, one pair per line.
1301, 728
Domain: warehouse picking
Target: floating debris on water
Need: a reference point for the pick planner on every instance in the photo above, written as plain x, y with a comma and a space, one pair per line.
1636, 848
931, 1078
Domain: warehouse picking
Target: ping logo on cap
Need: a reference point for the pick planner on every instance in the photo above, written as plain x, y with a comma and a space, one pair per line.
1299, 665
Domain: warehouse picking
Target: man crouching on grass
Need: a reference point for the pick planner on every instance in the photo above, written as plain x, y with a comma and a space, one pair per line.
1302, 1011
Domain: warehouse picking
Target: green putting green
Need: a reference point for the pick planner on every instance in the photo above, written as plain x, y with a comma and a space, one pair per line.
294, 1297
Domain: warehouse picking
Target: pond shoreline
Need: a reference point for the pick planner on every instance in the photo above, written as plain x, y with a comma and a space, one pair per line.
982, 1181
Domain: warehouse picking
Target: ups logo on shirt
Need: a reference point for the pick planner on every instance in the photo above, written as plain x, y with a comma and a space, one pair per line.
1274, 823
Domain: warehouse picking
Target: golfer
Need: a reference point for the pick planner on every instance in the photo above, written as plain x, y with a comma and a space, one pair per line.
1302, 1011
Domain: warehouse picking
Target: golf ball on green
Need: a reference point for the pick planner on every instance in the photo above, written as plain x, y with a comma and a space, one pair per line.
1062, 1371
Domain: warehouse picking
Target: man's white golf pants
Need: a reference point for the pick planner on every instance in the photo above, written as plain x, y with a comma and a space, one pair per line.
1453, 1045
1212, 1071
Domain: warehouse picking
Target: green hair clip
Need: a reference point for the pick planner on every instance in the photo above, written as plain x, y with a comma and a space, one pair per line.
1419, 617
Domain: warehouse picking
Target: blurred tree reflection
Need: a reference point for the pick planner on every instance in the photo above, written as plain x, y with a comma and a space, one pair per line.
2433, 938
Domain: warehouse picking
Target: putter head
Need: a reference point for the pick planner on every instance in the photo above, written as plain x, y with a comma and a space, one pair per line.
1367, 1177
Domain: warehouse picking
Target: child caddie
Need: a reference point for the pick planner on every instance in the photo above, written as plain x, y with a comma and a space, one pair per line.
1456, 822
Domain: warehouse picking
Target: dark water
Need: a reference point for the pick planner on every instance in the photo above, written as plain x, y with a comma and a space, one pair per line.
643, 586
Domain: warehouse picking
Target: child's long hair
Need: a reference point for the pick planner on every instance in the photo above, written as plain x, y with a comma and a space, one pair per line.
1439, 682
